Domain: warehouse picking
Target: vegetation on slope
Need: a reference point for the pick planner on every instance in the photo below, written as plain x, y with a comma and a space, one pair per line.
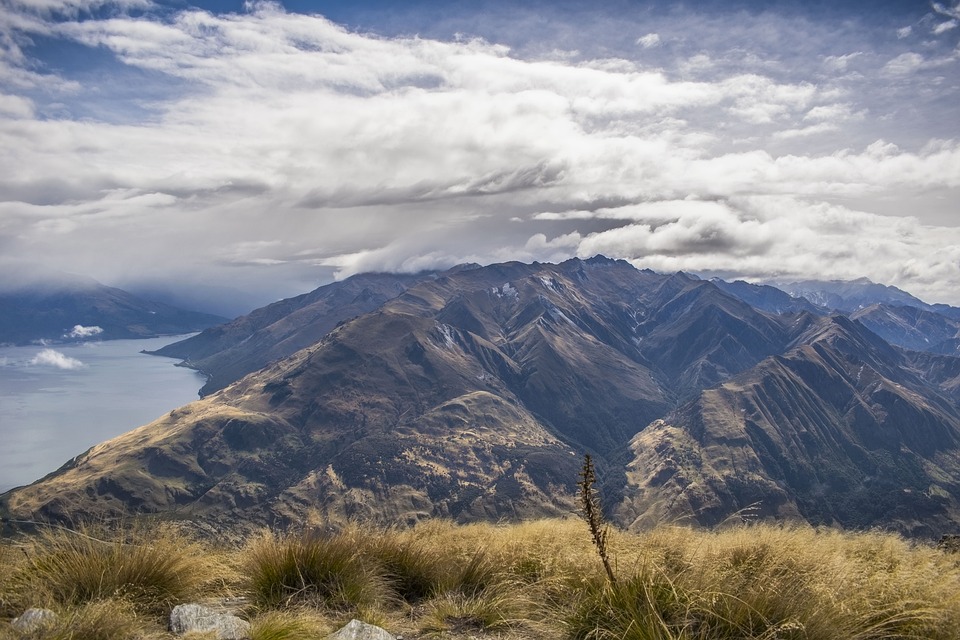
537, 579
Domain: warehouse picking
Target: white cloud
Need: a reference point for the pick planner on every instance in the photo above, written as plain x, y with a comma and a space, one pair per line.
832, 112
53, 358
948, 11
904, 32
784, 236
802, 132
80, 331
905, 63
943, 27
649, 40
840, 63
16, 106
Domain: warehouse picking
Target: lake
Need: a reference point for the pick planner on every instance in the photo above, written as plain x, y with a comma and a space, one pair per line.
57, 401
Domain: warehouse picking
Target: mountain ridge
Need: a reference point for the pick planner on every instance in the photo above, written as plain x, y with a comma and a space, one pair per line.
472, 394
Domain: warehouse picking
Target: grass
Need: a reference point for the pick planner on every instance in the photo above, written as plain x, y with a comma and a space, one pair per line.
534, 579
99, 620
291, 624
153, 569
327, 571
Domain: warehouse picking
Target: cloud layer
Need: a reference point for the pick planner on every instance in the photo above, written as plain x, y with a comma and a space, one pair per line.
274, 150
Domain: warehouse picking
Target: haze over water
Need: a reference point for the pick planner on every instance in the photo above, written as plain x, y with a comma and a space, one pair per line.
58, 401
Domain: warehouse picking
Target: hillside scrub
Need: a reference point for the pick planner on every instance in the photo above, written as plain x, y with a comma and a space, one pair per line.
533, 579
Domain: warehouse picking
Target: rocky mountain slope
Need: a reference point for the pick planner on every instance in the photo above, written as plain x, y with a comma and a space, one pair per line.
51, 310
227, 352
473, 393
841, 428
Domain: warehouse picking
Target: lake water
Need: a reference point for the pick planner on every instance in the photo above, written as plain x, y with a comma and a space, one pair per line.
58, 401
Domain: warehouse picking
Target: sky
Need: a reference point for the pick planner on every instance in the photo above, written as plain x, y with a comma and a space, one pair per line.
227, 154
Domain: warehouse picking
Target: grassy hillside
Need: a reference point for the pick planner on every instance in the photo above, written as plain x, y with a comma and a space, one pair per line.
539, 579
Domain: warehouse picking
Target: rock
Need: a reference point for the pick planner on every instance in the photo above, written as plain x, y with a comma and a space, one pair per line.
187, 618
356, 630
34, 620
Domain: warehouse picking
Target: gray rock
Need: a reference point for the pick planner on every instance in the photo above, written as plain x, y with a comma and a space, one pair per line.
34, 620
356, 630
187, 618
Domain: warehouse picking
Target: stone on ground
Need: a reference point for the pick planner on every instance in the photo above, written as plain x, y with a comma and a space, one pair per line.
357, 630
34, 620
195, 618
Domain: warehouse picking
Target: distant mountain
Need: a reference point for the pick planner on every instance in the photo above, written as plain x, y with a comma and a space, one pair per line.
893, 314
473, 393
912, 328
852, 295
768, 298
73, 308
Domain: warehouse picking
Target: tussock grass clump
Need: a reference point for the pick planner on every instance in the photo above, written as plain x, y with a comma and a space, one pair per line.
100, 620
329, 571
412, 570
152, 570
491, 610
641, 606
294, 624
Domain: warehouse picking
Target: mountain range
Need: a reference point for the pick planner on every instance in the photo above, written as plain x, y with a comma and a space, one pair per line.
70, 307
473, 394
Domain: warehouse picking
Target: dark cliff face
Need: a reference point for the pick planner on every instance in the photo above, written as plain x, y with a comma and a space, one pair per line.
474, 393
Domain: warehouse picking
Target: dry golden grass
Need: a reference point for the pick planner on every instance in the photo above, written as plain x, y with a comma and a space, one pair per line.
536, 579
291, 624
774, 582
323, 571
152, 568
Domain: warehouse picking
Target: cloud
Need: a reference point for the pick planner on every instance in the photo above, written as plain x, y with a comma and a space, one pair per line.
905, 63
16, 106
841, 63
289, 148
79, 331
832, 112
952, 12
53, 358
786, 237
649, 40
943, 27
